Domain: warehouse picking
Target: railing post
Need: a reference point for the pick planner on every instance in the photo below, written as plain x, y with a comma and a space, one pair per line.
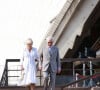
91, 73
84, 83
4, 79
40, 78
6, 83
73, 70
76, 78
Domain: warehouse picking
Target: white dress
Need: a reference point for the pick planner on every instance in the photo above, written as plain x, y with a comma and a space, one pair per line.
29, 65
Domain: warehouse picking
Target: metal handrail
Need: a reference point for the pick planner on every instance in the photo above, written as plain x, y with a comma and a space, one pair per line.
63, 61
4, 78
80, 59
80, 80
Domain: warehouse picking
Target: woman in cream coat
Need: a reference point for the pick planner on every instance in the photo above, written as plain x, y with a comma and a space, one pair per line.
28, 65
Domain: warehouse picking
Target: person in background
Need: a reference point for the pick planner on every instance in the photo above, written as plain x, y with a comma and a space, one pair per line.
50, 64
28, 65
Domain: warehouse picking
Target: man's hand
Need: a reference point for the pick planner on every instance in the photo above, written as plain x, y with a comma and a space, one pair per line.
59, 70
40, 68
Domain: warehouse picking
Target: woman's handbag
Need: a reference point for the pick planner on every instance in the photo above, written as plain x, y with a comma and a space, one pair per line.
21, 77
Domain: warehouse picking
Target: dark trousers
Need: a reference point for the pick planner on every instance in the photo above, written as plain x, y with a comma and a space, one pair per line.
49, 75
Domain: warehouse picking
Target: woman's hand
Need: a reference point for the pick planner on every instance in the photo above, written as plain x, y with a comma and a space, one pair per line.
22, 68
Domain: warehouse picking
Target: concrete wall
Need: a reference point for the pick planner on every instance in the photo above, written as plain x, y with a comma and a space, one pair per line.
75, 26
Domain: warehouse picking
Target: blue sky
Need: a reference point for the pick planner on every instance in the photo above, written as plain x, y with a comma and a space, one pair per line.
21, 19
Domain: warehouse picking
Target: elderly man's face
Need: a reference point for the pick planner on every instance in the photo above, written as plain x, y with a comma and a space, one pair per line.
50, 42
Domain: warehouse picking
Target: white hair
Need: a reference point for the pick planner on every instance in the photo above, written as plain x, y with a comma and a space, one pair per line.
29, 40
49, 38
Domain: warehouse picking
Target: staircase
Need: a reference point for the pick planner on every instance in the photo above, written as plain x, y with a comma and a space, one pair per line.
23, 88
80, 88
41, 88
72, 85
13, 88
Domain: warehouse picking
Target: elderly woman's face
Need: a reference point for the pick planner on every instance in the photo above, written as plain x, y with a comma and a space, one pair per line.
29, 45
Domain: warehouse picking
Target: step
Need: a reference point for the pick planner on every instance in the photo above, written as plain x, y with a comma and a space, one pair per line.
78, 88
13, 88
81, 88
41, 88
23, 88
96, 88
